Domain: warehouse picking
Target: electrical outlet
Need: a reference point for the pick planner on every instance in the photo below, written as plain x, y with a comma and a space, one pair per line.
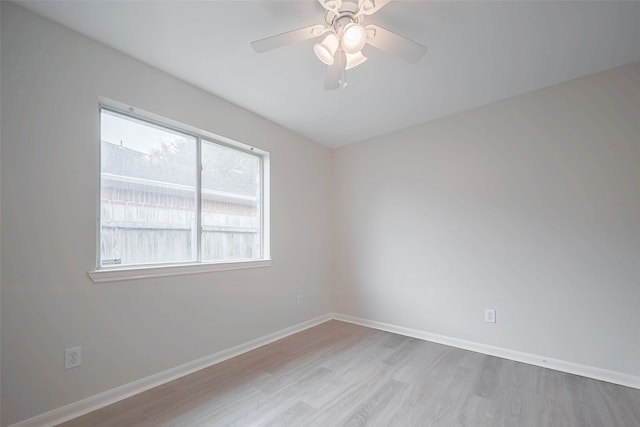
489, 315
299, 300
72, 357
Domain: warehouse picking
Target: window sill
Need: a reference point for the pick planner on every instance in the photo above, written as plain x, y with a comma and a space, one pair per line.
133, 273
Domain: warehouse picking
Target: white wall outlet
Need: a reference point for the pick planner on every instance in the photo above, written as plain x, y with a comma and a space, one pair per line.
72, 357
489, 315
299, 300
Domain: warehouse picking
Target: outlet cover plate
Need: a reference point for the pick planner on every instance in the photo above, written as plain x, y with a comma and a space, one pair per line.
72, 357
489, 315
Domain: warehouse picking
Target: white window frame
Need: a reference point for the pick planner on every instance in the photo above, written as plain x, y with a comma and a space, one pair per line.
118, 273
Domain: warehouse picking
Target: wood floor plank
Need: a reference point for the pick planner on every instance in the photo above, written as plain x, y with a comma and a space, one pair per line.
347, 387
368, 412
340, 374
291, 416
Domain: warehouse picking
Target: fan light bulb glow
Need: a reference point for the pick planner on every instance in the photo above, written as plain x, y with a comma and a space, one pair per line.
325, 50
354, 38
355, 59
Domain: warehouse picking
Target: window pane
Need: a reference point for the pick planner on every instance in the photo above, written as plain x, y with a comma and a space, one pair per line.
148, 193
231, 211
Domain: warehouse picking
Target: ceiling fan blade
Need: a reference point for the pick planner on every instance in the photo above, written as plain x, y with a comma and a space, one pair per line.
283, 39
369, 7
335, 70
395, 44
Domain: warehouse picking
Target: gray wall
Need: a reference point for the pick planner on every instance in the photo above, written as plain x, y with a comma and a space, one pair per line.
51, 81
0, 230
530, 206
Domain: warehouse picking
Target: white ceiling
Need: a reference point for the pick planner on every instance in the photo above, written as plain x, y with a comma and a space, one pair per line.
479, 52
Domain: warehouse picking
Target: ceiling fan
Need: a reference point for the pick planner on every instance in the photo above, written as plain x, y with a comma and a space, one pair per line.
347, 34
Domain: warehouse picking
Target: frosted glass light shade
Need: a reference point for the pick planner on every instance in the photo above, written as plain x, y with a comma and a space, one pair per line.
325, 50
354, 38
355, 59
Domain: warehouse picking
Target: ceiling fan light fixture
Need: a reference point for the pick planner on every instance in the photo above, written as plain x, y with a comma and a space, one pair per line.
354, 38
325, 50
354, 59
347, 35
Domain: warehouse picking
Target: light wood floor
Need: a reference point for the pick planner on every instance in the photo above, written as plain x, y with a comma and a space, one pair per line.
339, 374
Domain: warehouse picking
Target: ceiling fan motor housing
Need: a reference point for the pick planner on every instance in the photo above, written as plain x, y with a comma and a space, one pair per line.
347, 14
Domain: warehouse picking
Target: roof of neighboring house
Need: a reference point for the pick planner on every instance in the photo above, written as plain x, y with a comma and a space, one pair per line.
229, 175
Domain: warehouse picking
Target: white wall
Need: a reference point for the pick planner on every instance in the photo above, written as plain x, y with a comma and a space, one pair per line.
530, 206
0, 228
51, 81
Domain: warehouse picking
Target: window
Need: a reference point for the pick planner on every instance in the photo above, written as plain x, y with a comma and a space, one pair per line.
172, 195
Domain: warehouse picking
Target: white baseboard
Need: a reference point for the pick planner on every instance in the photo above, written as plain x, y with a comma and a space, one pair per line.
84, 406
532, 359
108, 397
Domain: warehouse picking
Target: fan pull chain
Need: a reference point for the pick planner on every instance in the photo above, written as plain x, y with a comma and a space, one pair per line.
343, 78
